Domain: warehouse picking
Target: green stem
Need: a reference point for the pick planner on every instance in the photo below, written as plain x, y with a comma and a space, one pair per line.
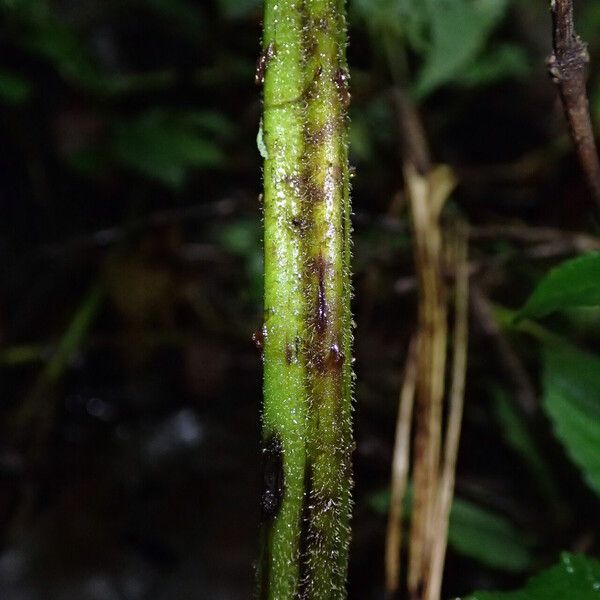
307, 331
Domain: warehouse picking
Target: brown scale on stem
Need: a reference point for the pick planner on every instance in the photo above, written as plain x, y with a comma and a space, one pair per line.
264, 59
318, 269
290, 354
318, 136
322, 310
312, 192
299, 224
335, 358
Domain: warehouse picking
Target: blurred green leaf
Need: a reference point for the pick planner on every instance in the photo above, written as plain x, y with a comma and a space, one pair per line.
164, 146
14, 89
502, 62
59, 43
244, 238
212, 122
370, 127
450, 35
576, 577
396, 20
361, 143
37, 29
477, 533
75, 333
571, 381
459, 31
241, 237
573, 283
587, 23
379, 501
488, 538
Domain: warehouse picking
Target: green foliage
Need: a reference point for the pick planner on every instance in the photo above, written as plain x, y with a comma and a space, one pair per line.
488, 538
370, 127
573, 283
477, 533
449, 35
161, 145
576, 577
243, 238
398, 20
459, 30
37, 29
75, 333
572, 401
501, 62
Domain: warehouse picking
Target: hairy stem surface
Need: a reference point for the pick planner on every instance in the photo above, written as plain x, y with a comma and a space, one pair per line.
307, 438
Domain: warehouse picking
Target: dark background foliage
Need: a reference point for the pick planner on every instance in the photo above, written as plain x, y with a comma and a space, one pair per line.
130, 286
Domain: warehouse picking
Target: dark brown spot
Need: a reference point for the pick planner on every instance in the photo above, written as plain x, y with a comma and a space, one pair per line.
312, 192
273, 478
335, 358
263, 62
337, 173
312, 88
290, 355
299, 224
318, 266
322, 310
318, 136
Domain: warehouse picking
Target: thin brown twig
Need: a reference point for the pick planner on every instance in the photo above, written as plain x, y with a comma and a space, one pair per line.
568, 68
456, 403
400, 467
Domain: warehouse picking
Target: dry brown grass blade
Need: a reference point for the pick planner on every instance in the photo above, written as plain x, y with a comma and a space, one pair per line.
456, 402
400, 468
427, 195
